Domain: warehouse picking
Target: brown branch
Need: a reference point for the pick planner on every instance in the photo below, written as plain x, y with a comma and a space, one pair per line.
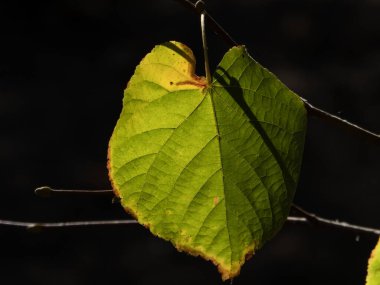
311, 110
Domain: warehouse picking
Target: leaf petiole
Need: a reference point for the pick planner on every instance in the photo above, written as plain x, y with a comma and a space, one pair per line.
200, 5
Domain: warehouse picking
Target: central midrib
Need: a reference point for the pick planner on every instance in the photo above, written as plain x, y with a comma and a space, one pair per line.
211, 93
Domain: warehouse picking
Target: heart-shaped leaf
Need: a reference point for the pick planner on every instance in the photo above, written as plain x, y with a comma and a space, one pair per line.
211, 168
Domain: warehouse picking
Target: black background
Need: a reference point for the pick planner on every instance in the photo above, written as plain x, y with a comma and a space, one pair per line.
63, 67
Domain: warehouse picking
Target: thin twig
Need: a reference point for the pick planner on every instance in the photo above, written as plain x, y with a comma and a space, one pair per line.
47, 192
312, 111
312, 218
211, 22
308, 218
315, 112
36, 225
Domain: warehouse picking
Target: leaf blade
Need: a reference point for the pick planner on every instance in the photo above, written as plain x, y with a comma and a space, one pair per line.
193, 163
373, 276
259, 188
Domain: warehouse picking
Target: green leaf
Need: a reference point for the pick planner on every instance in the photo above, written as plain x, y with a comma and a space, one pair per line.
373, 276
213, 169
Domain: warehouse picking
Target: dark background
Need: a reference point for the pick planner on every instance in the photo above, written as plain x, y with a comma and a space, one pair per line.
63, 68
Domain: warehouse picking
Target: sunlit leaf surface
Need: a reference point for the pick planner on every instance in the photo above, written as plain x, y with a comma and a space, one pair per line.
373, 277
211, 168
